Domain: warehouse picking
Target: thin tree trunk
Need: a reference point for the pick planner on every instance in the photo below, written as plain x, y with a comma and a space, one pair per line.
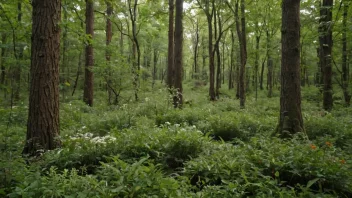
17, 71
345, 73
108, 32
43, 116
243, 50
2, 55
195, 55
256, 64
155, 62
136, 50
88, 78
232, 61
270, 65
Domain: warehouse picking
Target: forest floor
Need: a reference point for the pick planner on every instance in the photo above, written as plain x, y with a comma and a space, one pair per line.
207, 149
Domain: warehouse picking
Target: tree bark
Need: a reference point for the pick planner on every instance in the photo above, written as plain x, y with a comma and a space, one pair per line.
155, 62
108, 34
325, 40
88, 78
2, 55
136, 53
290, 120
269, 64
195, 54
17, 71
170, 64
232, 61
43, 116
243, 50
178, 99
345, 73
256, 64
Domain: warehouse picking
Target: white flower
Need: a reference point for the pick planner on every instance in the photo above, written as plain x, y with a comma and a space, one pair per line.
146, 99
168, 123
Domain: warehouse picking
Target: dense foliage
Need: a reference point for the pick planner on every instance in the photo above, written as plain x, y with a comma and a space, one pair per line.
150, 149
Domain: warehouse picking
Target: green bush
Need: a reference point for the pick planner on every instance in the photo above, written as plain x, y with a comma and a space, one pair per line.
269, 166
115, 179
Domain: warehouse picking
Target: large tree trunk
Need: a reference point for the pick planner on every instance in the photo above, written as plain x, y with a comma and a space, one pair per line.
170, 64
88, 78
290, 100
241, 31
43, 115
325, 40
178, 99
345, 73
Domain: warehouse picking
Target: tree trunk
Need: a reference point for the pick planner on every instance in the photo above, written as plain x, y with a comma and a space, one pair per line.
325, 40
43, 116
256, 64
345, 73
270, 65
178, 99
212, 94
19, 57
195, 54
241, 31
232, 61
136, 53
290, 100
204, 56
217, 53
88, 78
170, 64
108, 34
2, 55
155, 62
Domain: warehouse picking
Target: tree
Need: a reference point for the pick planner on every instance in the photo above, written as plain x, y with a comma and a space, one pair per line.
136, 52
210, 14
88, 78
325, 51
170, 60
241, 33
345, 72
178, 53
43, 116
290, 120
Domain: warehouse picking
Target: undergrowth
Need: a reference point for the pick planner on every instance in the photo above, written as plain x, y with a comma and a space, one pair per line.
207, 149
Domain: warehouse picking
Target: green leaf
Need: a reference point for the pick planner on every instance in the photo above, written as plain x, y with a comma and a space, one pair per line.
277, 174
311, 182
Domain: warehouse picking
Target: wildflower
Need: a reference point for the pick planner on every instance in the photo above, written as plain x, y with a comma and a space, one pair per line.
328, 144
343, 161
312, 146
